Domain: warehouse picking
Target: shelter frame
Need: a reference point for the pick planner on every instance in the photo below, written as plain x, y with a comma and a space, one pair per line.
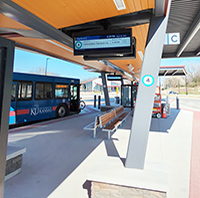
6, 71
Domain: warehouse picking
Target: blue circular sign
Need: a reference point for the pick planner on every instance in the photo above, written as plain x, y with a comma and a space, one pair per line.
148, 80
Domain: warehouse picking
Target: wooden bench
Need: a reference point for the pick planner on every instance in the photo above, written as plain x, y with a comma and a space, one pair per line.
108, 121
112, 120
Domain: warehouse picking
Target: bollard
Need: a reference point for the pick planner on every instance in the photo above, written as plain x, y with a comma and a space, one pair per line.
99, 102
117, 99
95, 99
177, 103
167, 99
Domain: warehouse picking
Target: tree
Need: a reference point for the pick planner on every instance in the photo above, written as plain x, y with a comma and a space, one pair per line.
172, 82
193, 73
41, 71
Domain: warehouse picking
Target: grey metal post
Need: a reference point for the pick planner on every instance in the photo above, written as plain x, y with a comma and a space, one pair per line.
46, 66
99, 102
122, 83
95, 100
167, 99
105, 89
6, 69
177, 103
131, 95
186, 85
145, 97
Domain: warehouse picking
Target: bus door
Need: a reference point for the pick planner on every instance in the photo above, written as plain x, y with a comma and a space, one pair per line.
75, 97
13, 105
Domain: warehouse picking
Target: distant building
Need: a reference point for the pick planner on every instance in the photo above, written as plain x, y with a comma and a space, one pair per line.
96, 85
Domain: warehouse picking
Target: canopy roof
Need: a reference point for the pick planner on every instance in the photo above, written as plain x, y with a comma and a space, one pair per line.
178, 70
47, 27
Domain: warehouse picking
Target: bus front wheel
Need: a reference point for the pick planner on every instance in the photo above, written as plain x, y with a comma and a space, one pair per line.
61, 111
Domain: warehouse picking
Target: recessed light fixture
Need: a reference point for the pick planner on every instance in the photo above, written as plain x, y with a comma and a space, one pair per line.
141, 55
120, 4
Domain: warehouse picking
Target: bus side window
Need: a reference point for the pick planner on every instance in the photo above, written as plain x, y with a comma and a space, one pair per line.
61, 90
48, 91
24, 90
29, 91
19, 90
39, 90
43, 91
13, 92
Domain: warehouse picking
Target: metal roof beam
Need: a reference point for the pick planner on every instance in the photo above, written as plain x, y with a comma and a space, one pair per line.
174, 72
166, 72
159, 8
198, 52
194, 28
184, 54
130, 20
116, 22
17, 13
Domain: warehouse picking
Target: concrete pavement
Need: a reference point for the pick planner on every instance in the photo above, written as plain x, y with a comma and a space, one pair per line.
60, 154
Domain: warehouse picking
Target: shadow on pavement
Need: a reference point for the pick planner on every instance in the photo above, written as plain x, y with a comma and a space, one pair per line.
164, 124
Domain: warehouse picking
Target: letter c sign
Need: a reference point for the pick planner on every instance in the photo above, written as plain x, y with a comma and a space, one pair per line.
174, 38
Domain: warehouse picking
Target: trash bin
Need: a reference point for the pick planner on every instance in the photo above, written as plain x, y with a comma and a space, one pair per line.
117, 99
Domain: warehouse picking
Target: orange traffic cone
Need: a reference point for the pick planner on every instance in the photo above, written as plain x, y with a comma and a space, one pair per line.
133, 103
164, 113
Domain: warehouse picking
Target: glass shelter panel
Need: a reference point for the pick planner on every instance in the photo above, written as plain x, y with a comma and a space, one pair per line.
126, 96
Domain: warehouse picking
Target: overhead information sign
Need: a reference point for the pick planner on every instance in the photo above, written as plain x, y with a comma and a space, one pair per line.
103, 42
114, 77
172, 39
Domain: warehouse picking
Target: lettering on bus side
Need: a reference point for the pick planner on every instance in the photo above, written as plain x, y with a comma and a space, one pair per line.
40, 110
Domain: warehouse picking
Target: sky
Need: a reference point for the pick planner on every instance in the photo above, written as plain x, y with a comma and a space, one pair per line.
27, 62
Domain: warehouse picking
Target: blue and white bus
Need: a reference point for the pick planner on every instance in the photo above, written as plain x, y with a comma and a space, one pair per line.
38, 97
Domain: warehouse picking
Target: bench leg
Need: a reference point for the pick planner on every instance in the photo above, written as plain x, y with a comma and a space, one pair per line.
94, 133
108, 135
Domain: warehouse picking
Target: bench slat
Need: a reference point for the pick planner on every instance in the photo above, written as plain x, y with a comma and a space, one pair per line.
112, 125
106, 118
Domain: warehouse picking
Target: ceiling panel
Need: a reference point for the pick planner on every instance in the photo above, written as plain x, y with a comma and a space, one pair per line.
6, 22
68, 13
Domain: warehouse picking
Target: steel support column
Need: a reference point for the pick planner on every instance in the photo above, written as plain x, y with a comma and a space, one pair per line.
186, 92
6, 70
122, 83
105, 89
131, 95
145, 97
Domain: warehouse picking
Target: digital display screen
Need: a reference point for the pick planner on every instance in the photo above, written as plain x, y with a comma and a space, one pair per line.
114, 77
61, 86
106, 42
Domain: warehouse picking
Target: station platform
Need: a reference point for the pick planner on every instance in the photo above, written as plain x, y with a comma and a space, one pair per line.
60, 154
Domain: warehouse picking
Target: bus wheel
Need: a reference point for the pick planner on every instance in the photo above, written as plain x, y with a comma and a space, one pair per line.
82, 105
61, 111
